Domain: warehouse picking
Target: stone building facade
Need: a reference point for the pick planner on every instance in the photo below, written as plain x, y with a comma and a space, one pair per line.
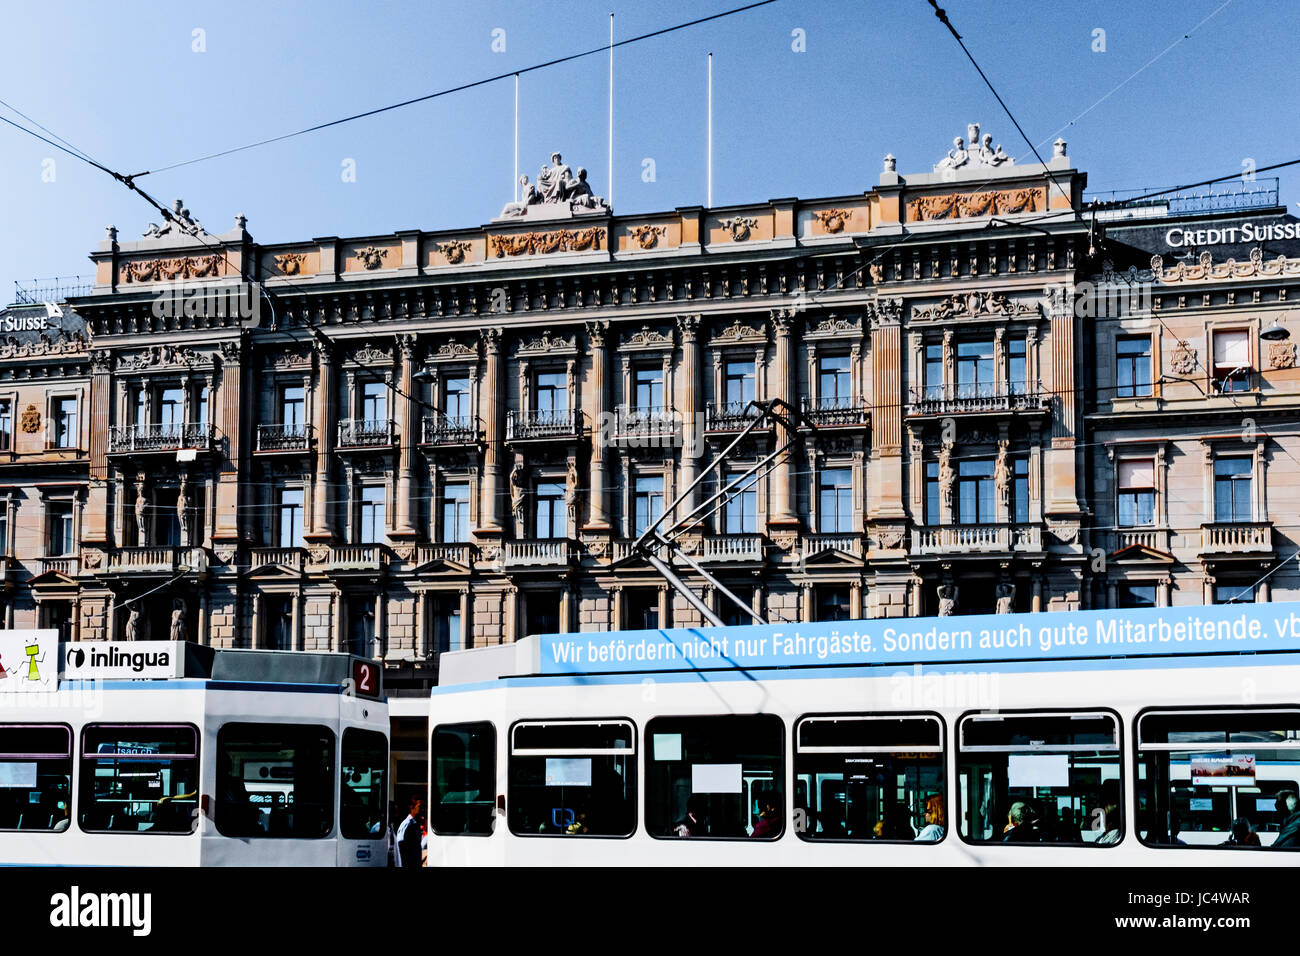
406, 443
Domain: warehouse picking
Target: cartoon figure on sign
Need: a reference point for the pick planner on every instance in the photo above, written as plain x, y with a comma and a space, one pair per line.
34, 657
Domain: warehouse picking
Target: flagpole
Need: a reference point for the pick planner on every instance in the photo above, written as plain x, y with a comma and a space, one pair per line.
709, 201
516, 137
609, 187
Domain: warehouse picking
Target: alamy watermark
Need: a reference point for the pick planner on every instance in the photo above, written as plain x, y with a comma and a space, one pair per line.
199, 300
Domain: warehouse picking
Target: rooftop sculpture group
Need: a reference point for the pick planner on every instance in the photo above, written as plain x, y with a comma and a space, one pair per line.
558, 191
980, 152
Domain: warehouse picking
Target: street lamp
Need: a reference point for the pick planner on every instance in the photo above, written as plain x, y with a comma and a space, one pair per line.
1275, 333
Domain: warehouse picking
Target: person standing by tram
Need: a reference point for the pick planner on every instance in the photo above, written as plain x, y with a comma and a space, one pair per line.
409, 837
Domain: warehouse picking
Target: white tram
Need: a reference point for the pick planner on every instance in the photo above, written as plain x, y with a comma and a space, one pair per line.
171, 754
1166, 736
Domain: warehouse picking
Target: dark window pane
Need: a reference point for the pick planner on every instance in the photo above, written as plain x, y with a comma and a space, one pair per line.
275, 780
463, 801
35, 776
139, 778
563, 782
363, 774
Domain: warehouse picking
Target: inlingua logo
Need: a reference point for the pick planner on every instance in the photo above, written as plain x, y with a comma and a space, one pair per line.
76, 909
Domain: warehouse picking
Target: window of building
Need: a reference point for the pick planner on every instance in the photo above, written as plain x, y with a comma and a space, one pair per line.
738, 384
860, 777
932, 510
139, 410
35, 776
464, 777
445, 623
1020, 490
278, 610
715, 777
455, 512
552, 393
1136, 480
740, 512
834, 389
975, 492
171, 411
363, 793
361, 620
293, 409
975, 369
1017, 367
550, 510
834, 603
6, 425
1135, 595
139, 778
275, 780
4, 527
65, 423
456, 398
641, 609
374, 402
835, 500
1232, 489
543, 610
1217, 778
289, 517
934, 371
1240, 593
60, 541
1133, 366
572, 778
649, 385
1232, 361
370, 515
56, 616
1039, 778
649, 504
731, 614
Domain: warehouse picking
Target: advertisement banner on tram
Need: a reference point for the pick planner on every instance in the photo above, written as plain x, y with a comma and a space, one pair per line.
123, 660
1198, 629
29, 661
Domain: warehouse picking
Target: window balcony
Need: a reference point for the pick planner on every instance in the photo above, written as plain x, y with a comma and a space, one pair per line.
651, 427
1237, 538
936, 400
538, 553
136, 439
365, 433
461, 554
369, 558
814, 544
442, 430
729, 416
835, 412
65, 564
541, 424
271, 438
719, 548
1156, 539
156, 560
977, 539
290, 558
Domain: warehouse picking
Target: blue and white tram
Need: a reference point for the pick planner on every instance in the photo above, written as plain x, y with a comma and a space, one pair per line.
180, 755
1166, 736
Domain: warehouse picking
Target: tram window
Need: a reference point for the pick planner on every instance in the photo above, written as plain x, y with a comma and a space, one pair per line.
463, 802
35, 776
139, 778
1219, 778
1040, 778
721, 777
860, 777
275, 780
570, 778
363, 785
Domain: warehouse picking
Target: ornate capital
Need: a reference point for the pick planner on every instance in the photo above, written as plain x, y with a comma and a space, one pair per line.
231, 352
782, 320
101, 361
406, 346
596, 332
689, 326
491, 340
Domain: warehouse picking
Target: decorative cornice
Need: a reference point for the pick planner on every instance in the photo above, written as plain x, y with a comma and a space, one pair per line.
647, 236
454, 250
834, 326
162, 356
739, 332
740, 227
291, 263
648, 338
371, 257
371, 355
833, 220
971, 304
1000, 202
186, 267
541, 243
73, 345
1204, 270
546, 345
453, 351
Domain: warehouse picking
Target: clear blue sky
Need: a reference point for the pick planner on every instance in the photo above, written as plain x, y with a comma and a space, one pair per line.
123, 83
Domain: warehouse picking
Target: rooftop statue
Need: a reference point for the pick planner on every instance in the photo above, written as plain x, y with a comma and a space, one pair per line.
558, 193
979, 152
178, 221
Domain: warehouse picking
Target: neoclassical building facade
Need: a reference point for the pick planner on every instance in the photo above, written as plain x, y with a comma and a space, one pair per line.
405, 443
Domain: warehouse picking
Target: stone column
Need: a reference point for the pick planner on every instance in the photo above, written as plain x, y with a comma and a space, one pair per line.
689, 406
598, 410
886, 492
231, 425
783, 510
322, 524
492, 405
1062, 467
406, 428
95, 528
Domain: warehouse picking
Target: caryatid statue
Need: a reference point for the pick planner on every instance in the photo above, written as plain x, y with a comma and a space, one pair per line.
1006, 596
947, 599
141, 521
183, 510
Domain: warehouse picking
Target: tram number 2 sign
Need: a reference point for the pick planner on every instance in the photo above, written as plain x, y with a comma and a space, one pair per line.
365, 678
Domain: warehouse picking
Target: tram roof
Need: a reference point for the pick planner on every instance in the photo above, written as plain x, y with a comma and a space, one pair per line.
1041, 638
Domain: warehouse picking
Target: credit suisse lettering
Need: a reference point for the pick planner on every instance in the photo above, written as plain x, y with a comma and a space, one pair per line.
1246, 232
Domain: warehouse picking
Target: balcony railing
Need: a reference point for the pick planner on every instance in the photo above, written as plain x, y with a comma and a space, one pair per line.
976, 539
63, 565
650, 426
168, 437
296, 437
538, 554
1157, 539
834, 412
1237, 537
733, 547
365, 432
442, 430
977, 398
729, 416
542, 423
155, 560
291, 558
355, 557
818, 543
462, 554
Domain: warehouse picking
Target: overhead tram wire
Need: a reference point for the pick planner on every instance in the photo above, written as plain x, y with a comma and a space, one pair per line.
603, 48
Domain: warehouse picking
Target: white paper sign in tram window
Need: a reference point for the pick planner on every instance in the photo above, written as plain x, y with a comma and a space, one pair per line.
1262, 805
1038, 770
568, 771
1198, 804
716, 778
668, 746
18, 774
